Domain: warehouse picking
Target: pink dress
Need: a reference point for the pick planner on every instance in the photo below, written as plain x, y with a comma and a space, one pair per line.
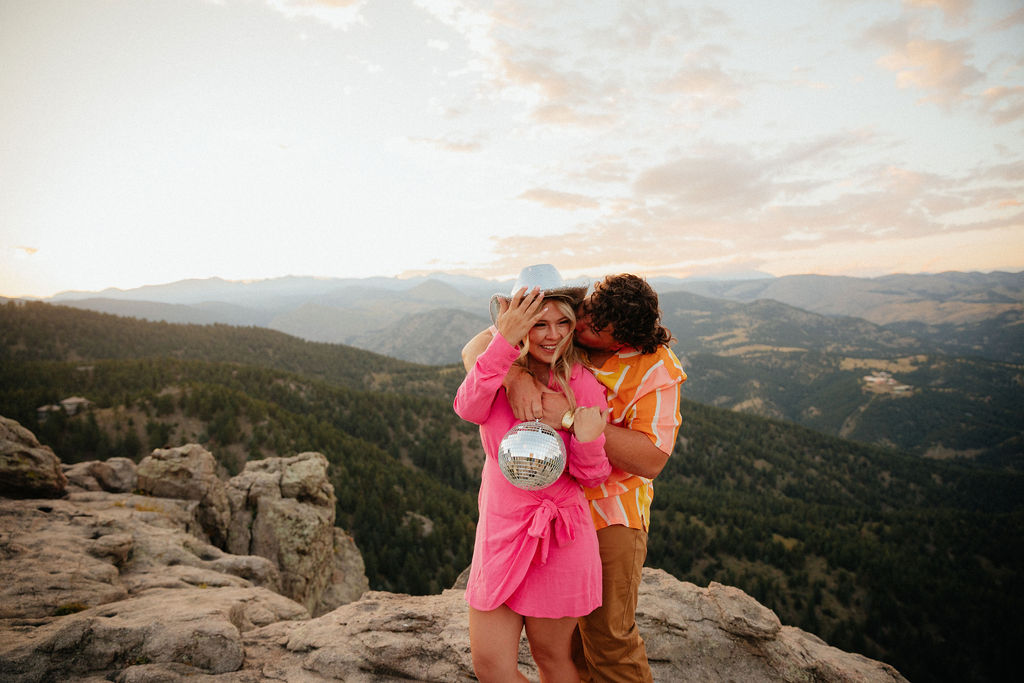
535, 551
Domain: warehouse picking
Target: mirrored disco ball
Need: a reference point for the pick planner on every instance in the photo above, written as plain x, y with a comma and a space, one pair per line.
531, 455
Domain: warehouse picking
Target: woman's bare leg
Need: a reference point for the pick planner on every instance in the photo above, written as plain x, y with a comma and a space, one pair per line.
494, 642
549, 643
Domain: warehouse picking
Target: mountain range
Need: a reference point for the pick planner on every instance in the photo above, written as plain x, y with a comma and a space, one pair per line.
962, 313
929, 363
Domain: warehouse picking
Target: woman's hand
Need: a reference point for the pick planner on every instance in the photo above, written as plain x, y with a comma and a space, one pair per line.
588, 423
518, 315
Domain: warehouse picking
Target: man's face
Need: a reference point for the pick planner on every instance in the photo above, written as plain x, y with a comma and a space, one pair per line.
588, 337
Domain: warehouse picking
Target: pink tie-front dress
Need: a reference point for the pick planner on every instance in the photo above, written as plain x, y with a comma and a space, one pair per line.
535, 551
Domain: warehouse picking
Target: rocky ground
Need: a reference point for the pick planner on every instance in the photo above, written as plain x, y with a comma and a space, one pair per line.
163, 572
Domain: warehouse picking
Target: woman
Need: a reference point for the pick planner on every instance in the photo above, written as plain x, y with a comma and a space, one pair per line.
535, 561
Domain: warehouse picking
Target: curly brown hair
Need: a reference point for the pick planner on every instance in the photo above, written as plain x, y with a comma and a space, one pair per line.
630, 306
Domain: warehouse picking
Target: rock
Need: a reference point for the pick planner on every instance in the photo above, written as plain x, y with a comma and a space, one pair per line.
198, 627
189, 472
64, 556
283, 509
27, 468
720, 633
693, 635
382, 637
117, 475
348, 575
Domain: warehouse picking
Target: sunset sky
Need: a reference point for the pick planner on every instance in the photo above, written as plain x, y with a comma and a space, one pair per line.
148, 141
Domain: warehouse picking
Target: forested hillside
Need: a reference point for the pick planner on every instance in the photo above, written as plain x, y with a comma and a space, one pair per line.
773, 360
916, 562
36, 331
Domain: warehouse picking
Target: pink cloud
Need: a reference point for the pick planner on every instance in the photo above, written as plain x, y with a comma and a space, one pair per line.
559, 200
1004, 104
937, 66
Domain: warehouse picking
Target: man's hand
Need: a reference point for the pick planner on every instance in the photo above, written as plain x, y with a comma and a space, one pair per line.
555, 405
524, 393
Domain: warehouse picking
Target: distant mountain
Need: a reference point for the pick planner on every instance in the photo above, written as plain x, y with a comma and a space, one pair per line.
706, 324
940, 308
435, 337
277, 293
934, 299
200, 314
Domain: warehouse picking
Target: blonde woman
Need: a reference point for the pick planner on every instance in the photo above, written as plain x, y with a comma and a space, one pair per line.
535, 561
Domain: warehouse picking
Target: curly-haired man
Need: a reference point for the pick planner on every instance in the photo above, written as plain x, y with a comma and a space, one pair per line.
619, 324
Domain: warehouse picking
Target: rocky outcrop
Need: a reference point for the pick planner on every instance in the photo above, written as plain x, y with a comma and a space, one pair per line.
27, 468
63, 556
693, 635
110, 585
116, 475
283, 509
190, 473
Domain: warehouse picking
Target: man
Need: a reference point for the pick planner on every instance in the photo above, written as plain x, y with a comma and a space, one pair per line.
619, 324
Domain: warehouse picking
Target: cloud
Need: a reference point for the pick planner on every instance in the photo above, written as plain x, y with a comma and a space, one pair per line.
733, 206
955, 11
450, 145
938, 67
605, 168
559, 200
339, 14
706, 183
708, 88
1010, 20
1004, 104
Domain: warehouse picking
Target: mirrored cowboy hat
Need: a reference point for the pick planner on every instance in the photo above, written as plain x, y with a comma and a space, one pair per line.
552, 286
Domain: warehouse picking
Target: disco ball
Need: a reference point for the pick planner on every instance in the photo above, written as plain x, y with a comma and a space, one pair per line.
531, 456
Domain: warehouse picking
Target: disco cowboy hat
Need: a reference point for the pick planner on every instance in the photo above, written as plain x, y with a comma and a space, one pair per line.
552, 286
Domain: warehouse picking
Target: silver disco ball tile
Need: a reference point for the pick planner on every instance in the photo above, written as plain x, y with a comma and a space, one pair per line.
531, 456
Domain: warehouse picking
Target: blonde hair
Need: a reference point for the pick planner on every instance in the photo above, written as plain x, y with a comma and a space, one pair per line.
566, 356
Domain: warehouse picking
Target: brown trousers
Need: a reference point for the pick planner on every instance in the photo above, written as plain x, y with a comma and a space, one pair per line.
606, 646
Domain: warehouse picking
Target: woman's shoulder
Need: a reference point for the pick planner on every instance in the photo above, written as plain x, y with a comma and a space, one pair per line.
581, 374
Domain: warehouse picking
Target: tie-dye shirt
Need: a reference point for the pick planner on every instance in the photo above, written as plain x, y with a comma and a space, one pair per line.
643, 395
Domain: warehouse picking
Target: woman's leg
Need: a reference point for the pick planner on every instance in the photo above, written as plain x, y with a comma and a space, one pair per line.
549, 643
494, 643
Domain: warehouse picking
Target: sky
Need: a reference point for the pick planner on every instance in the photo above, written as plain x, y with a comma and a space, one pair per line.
149, 141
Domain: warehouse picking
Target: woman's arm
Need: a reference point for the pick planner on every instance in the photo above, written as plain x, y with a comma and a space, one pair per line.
523, 390
476, 394
588, 462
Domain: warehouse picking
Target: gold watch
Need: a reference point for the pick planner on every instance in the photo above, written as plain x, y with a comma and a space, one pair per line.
567, 419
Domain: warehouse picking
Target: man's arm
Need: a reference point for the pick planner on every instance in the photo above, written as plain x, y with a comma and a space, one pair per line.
633, 451
474, 347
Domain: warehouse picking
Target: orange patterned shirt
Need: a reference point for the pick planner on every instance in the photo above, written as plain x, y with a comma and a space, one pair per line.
643, 395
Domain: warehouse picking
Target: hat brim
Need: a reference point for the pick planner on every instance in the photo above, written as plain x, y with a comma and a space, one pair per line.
572, 295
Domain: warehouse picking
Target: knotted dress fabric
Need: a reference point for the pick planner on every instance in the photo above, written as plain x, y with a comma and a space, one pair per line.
535, 551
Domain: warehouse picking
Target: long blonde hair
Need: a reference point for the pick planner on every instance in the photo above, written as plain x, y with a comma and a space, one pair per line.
566, 356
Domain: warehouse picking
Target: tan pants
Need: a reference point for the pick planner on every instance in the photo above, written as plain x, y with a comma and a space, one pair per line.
607, 646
